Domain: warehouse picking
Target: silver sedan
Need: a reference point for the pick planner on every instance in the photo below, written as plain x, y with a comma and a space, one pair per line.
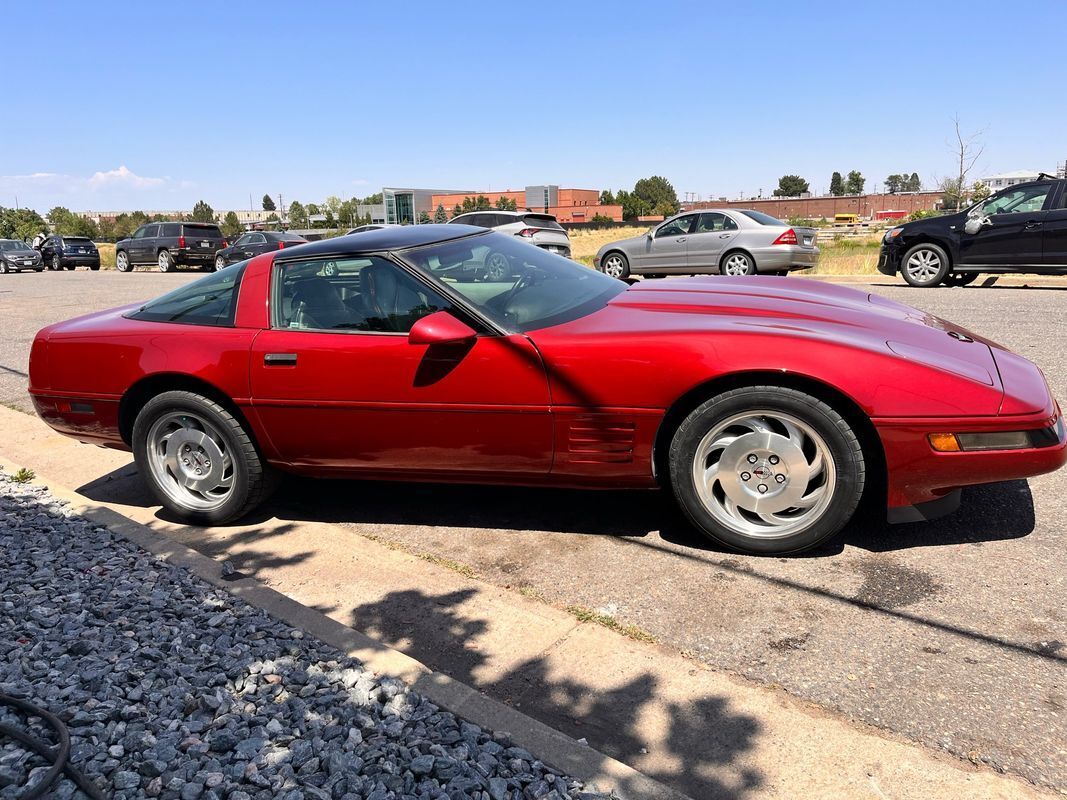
712, 241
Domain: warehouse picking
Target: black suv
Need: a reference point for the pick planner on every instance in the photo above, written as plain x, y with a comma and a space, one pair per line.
169, 245
68, 252
1020, 229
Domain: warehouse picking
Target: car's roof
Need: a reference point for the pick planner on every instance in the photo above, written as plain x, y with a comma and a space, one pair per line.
392, 238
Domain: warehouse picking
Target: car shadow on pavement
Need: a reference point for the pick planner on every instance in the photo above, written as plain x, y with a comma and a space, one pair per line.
703, 737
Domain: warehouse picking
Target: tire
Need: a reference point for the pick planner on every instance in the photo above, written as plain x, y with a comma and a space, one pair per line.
925, 265
961, 278
165, 261
220, 263
615, 265
496, 265
94, 267
122, 261
57, 265
329, 269
737, 263
205, 431
3, 268
789, 434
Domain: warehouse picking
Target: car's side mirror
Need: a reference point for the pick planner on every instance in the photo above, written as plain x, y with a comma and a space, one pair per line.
976, 223
440, 328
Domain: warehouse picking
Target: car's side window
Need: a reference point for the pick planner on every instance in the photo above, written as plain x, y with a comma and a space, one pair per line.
1063, 196
713, 221
241, 240
368, 294
676, 227
256, 238
173, 229
1024, 200
151, 231
139, 233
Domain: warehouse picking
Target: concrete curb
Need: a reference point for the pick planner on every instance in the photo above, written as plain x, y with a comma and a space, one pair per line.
551, 746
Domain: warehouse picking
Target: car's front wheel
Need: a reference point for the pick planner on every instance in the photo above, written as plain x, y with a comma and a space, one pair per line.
767, 469
497, 266
165, 261
198, 459
738, 263
615, 265
122, 261
220, 263
925, 265
56, 263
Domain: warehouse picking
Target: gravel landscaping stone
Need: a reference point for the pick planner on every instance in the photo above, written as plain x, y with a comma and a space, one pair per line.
177, 690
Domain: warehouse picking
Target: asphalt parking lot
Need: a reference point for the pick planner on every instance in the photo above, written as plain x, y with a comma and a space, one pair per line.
951, 633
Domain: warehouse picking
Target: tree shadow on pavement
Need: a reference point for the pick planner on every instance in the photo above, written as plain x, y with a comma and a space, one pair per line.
703, 737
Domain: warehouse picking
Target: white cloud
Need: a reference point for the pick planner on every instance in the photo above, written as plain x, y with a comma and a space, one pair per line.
122, 177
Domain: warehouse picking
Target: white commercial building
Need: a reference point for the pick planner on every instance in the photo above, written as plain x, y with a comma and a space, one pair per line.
1006, 179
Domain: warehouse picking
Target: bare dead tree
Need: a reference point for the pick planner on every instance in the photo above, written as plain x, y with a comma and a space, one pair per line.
966, 149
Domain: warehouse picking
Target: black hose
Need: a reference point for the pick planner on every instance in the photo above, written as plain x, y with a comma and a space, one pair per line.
58, 755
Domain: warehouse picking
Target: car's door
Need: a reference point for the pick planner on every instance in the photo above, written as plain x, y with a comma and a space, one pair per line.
1012, 233
136, 244
235, 252
1054, 237
47, 249
142, 246
666, 251
712, 233
338, 387
256, 244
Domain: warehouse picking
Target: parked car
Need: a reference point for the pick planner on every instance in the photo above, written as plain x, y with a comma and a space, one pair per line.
68, 252
712, 241
538, 229
170, 245
16, 255
253, 243
769, 408
1020, 229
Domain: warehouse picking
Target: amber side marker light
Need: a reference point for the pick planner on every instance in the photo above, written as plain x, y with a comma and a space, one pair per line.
944, 442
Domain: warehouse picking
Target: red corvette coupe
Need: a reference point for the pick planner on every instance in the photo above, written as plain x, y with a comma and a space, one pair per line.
769, 406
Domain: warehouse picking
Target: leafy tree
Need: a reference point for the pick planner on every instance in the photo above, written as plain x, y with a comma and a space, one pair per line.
331, 221
231, 225
268, 203
665, 208
372, 200
202, 212
979, 192
313, 209
837, 184
272, 218
59, 218
424, 218
603, 219
607, 198
791, 186
632, 205
482, 203
457, 210
854, 182
333, 203
657, 192
895, 183
506, 204
24, 223
468, 204
951, 195
914, 184
440, 216
298, 215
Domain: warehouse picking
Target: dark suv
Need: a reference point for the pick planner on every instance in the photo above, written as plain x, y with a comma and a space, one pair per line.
1020, 229
68, 252
169, 245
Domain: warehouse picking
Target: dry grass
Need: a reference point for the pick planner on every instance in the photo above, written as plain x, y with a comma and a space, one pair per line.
107, 255
857, 256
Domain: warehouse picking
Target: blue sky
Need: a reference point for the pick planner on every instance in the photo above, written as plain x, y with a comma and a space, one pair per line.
313, 99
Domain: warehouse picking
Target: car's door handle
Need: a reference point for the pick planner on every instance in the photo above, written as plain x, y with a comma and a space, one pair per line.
1031, 225
725, 235
680, 240
280, 359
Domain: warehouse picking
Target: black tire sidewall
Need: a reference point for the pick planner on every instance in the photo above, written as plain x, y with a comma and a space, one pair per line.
169, 402
946, 265
831, 426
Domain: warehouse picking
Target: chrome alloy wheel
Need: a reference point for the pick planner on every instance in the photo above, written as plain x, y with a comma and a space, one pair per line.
764, 474
924, 265
497, 267
737, 264
614, 266
189, 460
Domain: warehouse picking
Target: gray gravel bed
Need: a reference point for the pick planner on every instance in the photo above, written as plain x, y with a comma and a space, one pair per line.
174, 689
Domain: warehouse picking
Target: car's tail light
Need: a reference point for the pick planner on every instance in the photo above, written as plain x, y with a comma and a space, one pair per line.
224, 243
789, 237
281, 245
528, 232
181, 241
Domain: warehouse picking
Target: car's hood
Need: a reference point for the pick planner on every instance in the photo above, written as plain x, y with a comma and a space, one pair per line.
800, 309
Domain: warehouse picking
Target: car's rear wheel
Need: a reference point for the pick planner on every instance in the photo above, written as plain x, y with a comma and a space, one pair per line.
94, 267
56, 263
960, 278
738, 263
198, 459
767, 469
925, 265
165, 261
497, 266
122, 261
615, 265
220, 263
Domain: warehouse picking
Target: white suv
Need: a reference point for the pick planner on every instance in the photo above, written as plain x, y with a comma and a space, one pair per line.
539, 229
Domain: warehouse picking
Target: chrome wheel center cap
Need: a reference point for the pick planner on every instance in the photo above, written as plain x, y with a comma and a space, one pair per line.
755, 472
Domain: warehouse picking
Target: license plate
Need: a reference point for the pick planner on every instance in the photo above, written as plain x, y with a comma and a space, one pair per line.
807, 241
27, 263
205, 244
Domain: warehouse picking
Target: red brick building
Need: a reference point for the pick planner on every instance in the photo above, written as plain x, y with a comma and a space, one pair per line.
570, 205
866, 206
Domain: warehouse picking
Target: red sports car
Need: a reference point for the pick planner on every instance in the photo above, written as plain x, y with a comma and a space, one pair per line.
769, 406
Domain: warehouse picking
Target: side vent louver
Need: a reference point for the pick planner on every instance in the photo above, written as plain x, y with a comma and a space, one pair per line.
594, 440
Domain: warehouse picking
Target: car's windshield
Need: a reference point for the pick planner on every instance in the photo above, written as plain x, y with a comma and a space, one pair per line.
518, 285
7, 244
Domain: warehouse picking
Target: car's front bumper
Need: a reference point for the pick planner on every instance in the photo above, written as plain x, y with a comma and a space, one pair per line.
20, 264
199, 257
889, 259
